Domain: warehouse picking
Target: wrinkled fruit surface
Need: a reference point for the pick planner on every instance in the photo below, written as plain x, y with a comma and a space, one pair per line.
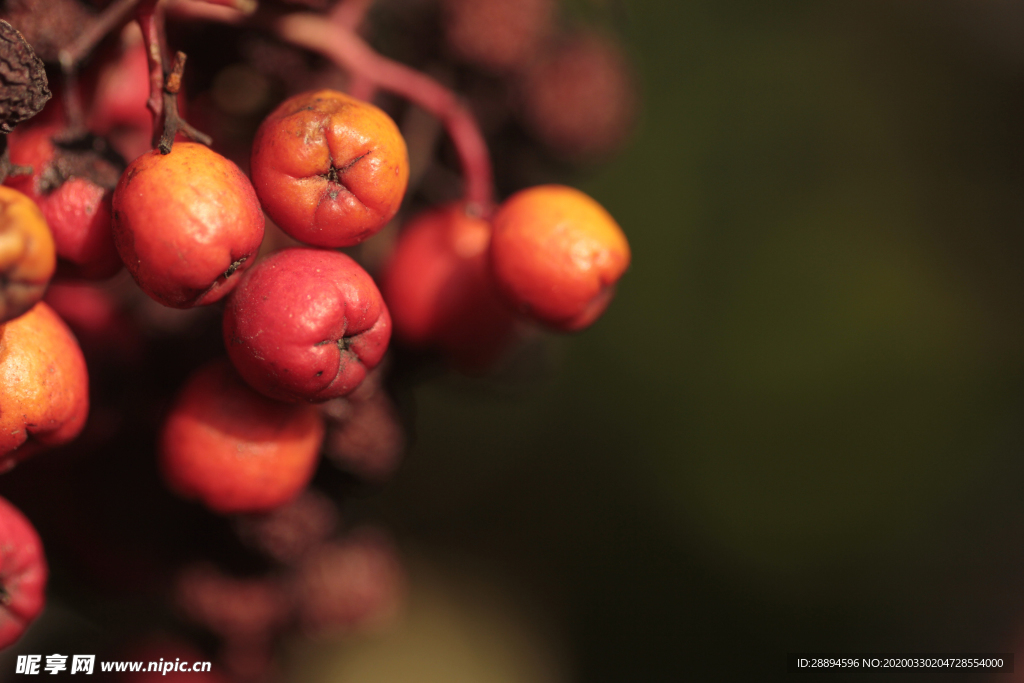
330, 170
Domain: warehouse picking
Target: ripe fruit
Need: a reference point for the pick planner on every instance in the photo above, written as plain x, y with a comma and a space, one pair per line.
330, 170
27, 253
556, 255
186, 224
44, 388
306, 325
72, 186
439, 290
234, 449
23, 574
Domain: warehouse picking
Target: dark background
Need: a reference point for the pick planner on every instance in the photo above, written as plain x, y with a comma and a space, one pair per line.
798, 427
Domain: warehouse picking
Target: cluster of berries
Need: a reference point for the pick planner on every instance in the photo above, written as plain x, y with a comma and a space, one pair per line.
306, 328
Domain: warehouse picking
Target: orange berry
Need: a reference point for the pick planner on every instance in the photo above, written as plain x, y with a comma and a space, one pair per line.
45, 396
330, 170
187, 224
234, 449
556, 255
28, 255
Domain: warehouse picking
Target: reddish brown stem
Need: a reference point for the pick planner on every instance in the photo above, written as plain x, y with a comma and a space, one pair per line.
149, 21
351, 13
173, 123
163, 90
114, 16
351, 53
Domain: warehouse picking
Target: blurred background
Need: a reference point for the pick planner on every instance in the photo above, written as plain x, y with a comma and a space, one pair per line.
798, 426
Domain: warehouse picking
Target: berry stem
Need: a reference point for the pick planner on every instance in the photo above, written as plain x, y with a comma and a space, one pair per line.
150, 21
340, 44
163, 88
173, 123
114, 16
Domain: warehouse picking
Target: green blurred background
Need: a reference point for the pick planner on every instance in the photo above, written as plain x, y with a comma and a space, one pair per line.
798, 427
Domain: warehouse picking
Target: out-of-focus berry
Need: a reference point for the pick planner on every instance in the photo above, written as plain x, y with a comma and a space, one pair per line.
233, 608
579, 99
291, 531
497, 35
370, 440
350, 586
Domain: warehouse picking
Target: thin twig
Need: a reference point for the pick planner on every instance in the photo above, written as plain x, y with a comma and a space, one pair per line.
115, 15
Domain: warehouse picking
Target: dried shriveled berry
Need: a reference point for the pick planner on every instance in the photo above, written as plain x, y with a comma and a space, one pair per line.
23, 86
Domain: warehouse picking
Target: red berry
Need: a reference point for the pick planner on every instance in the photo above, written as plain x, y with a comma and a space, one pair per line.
234, 449
186, 224
306, 325
438, 288
23, 574
73, 190
45, 397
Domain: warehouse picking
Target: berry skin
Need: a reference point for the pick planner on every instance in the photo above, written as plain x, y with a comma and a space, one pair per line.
23, 574
306, 325
330, 170
439, 290
76, 208
186, 224
28, 256
234, 449
44, 387
556, 255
